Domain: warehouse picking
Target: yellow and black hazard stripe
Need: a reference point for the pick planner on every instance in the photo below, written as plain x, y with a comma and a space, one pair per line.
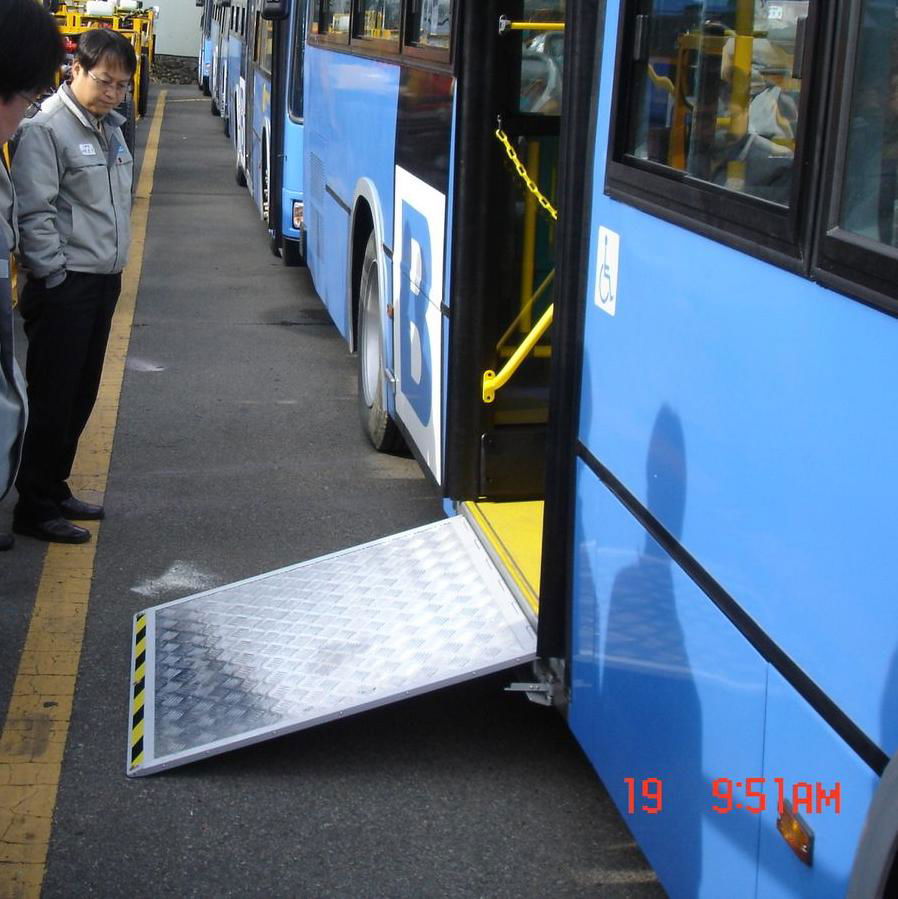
137, 695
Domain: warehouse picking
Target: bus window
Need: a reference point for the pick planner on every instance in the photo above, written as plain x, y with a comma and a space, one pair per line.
334, 17
542, 60
379, 19
430, 24
716, 92
296, 80
264, 43
870, 181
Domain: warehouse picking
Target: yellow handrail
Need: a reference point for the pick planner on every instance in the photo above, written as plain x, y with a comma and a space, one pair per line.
505, 24
492, 381
662, 81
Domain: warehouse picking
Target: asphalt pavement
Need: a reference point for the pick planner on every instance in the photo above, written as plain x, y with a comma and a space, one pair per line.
237, 451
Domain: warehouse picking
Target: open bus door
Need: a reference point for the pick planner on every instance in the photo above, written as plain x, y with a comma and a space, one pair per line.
437, 605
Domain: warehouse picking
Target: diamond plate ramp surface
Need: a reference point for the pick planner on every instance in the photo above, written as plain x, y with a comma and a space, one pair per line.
317, 641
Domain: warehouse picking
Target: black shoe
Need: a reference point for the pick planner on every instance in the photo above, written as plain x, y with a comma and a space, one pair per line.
6, 542
76, 510
56, 530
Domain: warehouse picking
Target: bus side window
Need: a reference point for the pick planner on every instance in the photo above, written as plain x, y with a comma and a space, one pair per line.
335, 16
715, 93
379, 19
430, 24
870, 170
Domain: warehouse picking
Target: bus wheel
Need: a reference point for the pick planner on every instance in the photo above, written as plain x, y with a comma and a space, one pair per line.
377, 424
213, 107
240, 175
226, 126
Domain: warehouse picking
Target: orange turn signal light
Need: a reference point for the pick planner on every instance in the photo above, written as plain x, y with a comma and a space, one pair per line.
796, 833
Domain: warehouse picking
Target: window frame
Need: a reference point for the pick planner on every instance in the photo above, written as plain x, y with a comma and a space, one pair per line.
377, 48
297, 62
751, 224
848, 262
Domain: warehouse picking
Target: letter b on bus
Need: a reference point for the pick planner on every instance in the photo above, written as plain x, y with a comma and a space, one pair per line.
415, 371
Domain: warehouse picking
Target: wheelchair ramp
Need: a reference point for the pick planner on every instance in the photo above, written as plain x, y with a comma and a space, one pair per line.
316, 641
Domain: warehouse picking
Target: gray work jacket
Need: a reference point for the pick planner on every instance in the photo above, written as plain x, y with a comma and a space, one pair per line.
13, 406
73, 178
8, 210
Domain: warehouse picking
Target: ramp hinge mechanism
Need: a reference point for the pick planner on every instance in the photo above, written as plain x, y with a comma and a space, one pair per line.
539, 693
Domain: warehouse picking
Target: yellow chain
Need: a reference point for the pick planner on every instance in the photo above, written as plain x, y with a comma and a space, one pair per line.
525, 175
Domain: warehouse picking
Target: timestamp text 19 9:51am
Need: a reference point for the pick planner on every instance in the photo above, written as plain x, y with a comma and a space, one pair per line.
647, 795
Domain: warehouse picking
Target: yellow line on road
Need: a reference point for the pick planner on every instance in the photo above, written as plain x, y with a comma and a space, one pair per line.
37, 723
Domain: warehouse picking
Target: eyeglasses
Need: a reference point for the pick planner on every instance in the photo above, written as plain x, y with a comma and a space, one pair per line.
118, 87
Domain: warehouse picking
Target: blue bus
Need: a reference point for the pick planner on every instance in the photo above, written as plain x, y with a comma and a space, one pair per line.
204, 57
228, 62
265, 87
687, 475
621, 275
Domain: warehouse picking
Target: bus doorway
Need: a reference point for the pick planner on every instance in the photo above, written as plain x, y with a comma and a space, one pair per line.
503, 275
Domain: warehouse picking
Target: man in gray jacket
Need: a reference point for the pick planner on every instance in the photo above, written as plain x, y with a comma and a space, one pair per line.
72, 172
30, 54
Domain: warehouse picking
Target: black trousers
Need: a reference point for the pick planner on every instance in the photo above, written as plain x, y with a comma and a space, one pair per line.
68, 329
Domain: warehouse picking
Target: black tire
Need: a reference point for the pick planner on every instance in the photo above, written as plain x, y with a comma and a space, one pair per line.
213, 107
143, 97
205, 87
274, 243
226, 126
291, 253
239, 175
126, 109
380, 429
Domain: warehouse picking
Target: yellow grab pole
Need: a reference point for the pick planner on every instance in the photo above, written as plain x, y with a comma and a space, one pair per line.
492, 381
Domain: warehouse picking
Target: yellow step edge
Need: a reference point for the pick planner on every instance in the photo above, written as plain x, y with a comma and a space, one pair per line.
514, 534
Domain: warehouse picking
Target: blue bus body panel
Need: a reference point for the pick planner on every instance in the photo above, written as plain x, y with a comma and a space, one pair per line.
801, 748
350, 133
205, 60
235, 62
784, 392
292, 188
260, 123
663, 687
214, 39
